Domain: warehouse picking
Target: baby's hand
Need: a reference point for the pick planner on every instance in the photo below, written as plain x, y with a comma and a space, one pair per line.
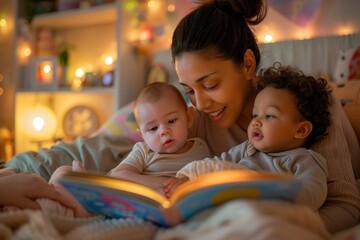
171, 184
77, 166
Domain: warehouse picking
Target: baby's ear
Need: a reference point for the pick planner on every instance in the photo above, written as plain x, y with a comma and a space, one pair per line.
139, 132
304, 129
191, 116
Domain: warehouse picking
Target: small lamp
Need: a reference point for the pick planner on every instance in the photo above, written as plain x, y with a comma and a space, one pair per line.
40, 124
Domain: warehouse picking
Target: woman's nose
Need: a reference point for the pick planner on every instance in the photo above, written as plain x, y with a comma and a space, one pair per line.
202, 101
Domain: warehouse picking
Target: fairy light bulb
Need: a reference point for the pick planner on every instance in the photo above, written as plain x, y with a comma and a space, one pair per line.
268, 38
79, 73
108, 60
171, 8
3, 23
47, 68
38, 123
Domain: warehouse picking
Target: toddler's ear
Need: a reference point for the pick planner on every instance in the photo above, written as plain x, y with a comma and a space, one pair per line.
304, 129
191, 116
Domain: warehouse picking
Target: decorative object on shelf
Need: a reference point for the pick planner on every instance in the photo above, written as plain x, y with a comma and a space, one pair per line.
150, 26
157, 73
64, 55
6, 144
108, 79
44, 73
24, 48
39, 124
45, 42
80, 121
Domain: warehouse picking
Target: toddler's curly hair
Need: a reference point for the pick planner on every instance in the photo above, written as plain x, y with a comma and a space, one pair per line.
313, 96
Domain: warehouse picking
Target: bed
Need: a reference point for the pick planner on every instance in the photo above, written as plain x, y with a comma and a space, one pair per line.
331, 57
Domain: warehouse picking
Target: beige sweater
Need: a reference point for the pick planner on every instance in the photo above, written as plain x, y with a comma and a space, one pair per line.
341, 149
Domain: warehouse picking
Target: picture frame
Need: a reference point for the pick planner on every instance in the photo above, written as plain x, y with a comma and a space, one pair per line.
44, 73
157, 73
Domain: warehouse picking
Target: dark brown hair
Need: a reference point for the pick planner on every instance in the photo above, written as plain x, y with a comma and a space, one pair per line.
313, 96
220, 27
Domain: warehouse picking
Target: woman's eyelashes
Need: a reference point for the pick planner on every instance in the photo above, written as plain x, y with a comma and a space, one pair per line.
210, 85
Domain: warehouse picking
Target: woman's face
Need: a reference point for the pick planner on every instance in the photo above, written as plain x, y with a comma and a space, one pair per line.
215, 87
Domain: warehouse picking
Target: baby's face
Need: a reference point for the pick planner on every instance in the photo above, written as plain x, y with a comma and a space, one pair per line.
164, 124
275, 121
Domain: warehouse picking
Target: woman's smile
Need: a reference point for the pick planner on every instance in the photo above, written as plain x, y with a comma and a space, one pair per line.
217, 114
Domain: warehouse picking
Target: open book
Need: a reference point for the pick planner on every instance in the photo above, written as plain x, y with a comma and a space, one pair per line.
114, 197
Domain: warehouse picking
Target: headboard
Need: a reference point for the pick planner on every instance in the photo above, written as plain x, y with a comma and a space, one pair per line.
313, 56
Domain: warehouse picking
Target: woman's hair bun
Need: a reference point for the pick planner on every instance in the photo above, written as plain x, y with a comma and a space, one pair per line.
253, 11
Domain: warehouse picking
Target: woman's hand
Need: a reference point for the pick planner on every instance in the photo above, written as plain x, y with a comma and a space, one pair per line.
22, 189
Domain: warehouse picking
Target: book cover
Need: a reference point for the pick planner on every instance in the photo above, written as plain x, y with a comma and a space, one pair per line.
114, 197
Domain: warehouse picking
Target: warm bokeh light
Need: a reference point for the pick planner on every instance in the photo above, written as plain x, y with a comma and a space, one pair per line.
268, 38
45, 72
76, 84
79, 73
39, 122
24, 51
108, 60
171, 8
47, 68
3, 23
152, 4
345, 30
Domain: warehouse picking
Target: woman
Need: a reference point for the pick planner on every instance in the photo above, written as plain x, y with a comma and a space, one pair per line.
23, 189
216, 56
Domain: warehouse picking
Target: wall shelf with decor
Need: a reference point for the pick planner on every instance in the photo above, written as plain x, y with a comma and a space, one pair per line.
96, 15
102, 71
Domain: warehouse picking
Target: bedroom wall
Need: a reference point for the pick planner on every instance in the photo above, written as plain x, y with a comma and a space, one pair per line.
329, 17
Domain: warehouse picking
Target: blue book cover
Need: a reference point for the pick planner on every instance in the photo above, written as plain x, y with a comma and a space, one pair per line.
118, 198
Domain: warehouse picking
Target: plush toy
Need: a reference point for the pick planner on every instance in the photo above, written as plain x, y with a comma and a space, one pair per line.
347, 66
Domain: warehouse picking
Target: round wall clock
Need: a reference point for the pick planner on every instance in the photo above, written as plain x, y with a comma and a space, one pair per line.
157, 73
80, 121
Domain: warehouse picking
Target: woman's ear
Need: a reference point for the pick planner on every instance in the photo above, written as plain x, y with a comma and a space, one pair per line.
191, 116
304, 130
249, 64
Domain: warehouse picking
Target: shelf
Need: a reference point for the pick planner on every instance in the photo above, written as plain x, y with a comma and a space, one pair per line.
69, 90
90, 16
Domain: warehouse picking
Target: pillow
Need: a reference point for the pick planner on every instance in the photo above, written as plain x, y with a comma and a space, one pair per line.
121, 124
347, 66
353, 114
348, 93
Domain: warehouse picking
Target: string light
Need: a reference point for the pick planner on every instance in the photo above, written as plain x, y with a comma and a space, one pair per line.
171, 8
268, 38
3, 23
108, 60
79, 73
